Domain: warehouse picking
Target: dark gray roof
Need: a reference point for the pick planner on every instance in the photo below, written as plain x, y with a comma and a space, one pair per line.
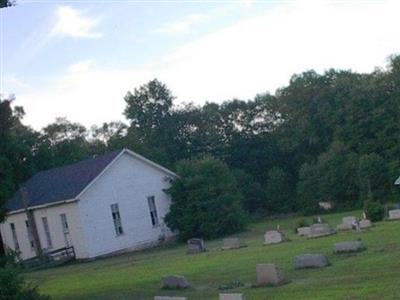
63, 183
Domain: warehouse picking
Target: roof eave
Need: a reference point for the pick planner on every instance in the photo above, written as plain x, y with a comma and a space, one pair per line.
17, 211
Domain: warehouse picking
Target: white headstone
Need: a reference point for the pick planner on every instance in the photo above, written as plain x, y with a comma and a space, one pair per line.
303, 231
349, 220
273, 237
394, 214
365, 223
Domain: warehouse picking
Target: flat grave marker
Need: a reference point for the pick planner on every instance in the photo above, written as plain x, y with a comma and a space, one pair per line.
311, 261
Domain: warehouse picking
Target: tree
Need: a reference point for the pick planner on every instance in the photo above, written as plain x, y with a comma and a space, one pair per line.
206, 201
148, 107
331, 178
62, 142
374, 182
253, 194
278, 192
6, 3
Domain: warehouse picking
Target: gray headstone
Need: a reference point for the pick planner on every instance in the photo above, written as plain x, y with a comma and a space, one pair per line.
311, 261
394, 214
365, 223
318, 230
273, 237
196, 246
304, 231
344, 226
351, 246
269, 274
349, 220
169, 298
231, 243
175, 282
231, 297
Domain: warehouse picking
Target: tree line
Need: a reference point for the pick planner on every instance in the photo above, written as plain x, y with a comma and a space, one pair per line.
324, 137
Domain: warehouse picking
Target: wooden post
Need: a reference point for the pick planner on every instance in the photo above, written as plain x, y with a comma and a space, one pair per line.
31, 221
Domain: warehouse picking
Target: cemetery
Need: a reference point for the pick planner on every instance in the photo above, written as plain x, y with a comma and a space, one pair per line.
305, 268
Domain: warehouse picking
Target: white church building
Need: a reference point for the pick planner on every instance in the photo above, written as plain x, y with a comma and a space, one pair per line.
108, 204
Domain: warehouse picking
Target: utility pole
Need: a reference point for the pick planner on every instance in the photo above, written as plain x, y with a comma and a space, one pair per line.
31, 221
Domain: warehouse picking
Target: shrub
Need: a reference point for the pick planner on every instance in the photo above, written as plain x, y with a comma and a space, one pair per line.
13, 286
374, 210
206, 201
301, 223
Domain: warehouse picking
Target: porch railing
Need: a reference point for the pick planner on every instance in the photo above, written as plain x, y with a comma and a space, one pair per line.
50, 258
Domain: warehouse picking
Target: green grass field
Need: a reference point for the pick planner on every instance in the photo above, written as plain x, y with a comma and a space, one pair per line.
372, 274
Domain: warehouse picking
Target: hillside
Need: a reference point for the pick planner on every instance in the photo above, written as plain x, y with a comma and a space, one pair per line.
372, 274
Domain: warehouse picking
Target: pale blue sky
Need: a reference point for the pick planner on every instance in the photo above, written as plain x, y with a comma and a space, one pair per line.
77, 59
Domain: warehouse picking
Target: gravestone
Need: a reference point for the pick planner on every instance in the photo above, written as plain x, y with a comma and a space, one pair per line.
394, 214
311, 261
350, 246
196, 246
231, 243
347, 223
319, 230
175, 282
344, 227
269, 274
231, 297
304, 231
273, 237
169, 298
365, 223
349, 220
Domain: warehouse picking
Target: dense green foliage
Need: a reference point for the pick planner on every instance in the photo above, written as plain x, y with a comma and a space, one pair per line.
374, 210
206, 202
324, 137
12, 284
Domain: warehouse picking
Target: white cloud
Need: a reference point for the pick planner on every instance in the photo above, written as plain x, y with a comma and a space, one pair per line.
249, 57
72, 23
182, 26
14, 83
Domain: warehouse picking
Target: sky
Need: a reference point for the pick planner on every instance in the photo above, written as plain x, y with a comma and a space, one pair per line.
78, 59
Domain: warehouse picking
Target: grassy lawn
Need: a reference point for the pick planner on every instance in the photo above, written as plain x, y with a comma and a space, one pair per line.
372, 274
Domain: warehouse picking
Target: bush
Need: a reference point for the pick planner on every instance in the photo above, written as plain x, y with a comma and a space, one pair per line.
374, 210
302, 223
13, 286
206, 201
